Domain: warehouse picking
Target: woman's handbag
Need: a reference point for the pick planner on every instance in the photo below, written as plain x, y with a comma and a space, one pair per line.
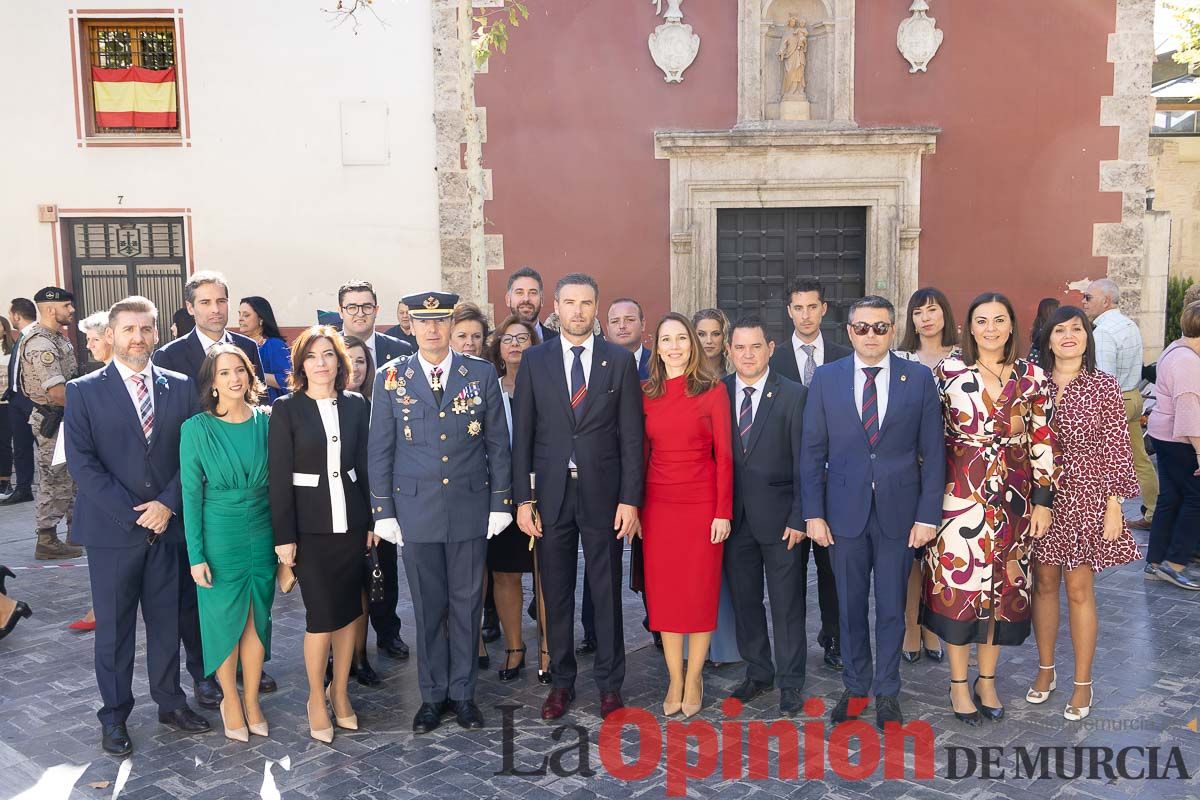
375, 589
287, 578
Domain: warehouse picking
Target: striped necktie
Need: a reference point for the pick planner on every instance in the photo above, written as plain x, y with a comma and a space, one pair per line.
578, 384
145, 407
870, 405
746, 416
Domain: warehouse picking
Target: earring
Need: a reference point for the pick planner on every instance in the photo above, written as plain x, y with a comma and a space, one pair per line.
215, 393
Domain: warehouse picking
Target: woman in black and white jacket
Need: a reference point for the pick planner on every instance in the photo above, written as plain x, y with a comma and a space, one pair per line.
321, 511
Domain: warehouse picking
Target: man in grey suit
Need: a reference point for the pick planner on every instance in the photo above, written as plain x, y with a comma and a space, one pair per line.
440, 470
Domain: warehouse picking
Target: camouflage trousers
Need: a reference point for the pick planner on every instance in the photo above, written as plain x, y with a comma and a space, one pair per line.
55, 496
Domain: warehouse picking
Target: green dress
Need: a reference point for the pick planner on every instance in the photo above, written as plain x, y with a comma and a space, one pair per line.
227, 521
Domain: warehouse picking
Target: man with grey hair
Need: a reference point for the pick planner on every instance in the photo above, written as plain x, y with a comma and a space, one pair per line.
1119, 353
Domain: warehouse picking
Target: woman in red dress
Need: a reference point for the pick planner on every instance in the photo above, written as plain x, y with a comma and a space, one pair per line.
688, 503
1088, 532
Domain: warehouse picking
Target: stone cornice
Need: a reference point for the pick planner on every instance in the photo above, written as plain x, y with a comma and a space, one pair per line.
693, 143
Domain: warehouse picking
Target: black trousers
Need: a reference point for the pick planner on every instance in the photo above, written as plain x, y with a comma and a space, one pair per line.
189, 619
383, 615
746, 561
22, 441
558, 553
827, 593
6, 450
122, 579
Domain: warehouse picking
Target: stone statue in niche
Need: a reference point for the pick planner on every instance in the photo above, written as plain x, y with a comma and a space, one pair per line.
793, 52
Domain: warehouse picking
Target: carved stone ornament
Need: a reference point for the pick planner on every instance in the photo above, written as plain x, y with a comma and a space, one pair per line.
673, 46
918, 37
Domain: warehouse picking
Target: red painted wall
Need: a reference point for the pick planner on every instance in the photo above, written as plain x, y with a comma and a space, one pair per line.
1008, 200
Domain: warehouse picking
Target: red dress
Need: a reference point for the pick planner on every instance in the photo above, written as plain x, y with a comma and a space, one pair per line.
689, 483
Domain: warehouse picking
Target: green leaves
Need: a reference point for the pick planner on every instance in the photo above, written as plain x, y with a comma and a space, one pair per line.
491, 32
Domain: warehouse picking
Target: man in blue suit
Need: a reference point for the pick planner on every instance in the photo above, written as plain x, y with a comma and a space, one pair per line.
874, 465
440, 469
122, 444
578, 425
206, 296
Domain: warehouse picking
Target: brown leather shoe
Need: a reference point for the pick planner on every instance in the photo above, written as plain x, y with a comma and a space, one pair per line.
557, 703
1142, 524
610, 702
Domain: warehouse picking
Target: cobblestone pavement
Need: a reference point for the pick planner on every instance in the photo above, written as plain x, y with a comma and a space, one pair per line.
1145, 687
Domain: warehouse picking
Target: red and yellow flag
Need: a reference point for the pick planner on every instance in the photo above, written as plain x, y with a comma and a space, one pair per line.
135, 97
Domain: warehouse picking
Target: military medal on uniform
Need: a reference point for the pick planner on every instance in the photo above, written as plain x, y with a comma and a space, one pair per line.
474, 427
389, 382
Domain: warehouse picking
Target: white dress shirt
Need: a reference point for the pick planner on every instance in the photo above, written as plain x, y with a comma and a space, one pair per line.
131, 387
585, 358
427, 368
881, 385
755, 398
208, 343
801, 357
333, 462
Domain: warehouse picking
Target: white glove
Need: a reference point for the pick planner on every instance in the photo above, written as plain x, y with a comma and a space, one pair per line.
497, 522
389, 531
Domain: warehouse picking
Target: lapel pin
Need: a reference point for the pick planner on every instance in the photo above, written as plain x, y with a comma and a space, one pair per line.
903, 378
408, 373
462, 370
604, 363
770, 394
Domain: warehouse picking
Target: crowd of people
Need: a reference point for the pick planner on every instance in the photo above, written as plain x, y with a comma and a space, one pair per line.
961, 475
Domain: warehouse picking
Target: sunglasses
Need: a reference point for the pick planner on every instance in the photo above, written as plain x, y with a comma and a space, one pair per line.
880, 328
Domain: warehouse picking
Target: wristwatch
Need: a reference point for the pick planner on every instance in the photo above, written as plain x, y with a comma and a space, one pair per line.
1120, 500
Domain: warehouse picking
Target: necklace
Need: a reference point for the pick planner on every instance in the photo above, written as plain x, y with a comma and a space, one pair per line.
992, 371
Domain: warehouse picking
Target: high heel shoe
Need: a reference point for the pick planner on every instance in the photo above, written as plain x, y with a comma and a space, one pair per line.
993, 713
671, 709
350, 723
910, 656
544, 676
970, 717
19, 611
241, 734
692, 709
1076, 713
5, 574
935, 656
1037, 697
321, 735
512, 673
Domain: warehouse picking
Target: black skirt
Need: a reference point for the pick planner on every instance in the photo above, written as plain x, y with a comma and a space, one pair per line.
509, 551
329, 569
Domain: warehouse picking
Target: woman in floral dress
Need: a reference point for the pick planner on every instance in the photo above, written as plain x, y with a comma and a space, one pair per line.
1088, 533
1000, 479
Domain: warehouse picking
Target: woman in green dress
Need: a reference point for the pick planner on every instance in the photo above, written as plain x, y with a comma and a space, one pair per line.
227, 521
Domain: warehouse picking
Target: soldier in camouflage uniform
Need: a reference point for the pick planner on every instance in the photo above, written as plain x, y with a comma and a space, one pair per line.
47, 363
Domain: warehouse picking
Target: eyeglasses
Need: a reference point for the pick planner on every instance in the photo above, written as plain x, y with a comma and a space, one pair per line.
357, 309
1087, 297
517, 338
880, 328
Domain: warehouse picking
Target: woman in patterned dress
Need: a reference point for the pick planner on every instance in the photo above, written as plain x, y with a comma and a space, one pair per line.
1088, 532
1001, 474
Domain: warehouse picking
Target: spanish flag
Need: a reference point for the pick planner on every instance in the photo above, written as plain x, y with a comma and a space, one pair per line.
134, 97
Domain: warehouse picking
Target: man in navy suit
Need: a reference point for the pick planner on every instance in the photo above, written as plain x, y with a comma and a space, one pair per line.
796, 360
359, 306
874, 466
768, 520
206, 296
122, 444
523, 296
578, 426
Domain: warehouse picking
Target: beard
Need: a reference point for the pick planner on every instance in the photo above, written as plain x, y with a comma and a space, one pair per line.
526, 312
138, 360
576, 327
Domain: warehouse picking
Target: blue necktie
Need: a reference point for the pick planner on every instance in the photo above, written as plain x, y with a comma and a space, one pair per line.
870, 405
746, 416
578, 384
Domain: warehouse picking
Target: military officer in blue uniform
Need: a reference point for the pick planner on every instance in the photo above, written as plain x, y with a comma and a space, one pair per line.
440, 471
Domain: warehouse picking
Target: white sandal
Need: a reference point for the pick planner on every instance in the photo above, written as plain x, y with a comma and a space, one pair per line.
1037, 698
1074, 713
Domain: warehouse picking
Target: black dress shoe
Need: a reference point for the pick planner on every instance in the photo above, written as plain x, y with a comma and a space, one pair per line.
208, 693
545, 678
266, 684
996, 713
468, 714
490, 630
971, 718
115, 740
428, 717
393, 648
749, 689
849, 706
364, 673
184, 719
791, 702
485, 661
22, 494
833, 655
586, 647
887, 709
910, 656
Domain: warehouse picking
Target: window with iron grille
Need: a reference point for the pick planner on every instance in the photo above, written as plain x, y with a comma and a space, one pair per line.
131, 77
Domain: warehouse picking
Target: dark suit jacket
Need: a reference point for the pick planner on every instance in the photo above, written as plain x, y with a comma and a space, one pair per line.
546, 333
186, 354
299, 472
396, 332
389, 347
766, 472
643, 366
607, 442
113, 465
784, 359
905, 472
